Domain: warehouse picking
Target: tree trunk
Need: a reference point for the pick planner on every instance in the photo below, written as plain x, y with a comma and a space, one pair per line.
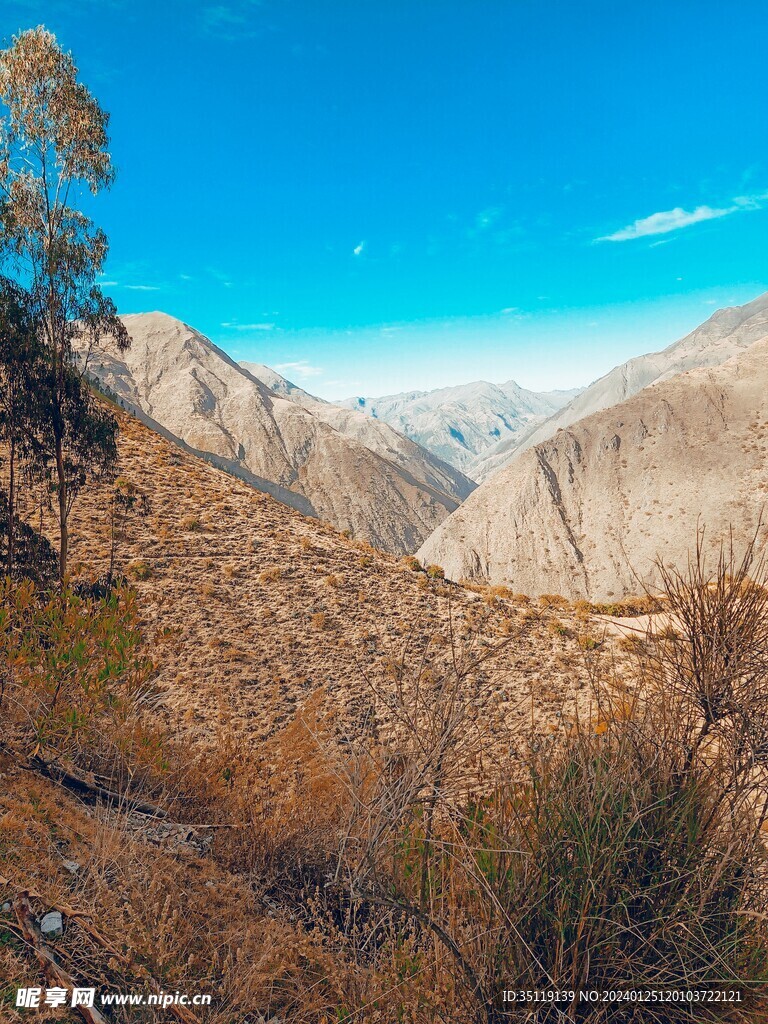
11, 502
63, 512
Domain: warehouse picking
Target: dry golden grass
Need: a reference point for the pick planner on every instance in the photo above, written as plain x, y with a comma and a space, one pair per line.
325, 776
250, 584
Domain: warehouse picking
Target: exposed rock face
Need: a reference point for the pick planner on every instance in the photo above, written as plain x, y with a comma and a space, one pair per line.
727, 332
180, 380
459, 424
586, 512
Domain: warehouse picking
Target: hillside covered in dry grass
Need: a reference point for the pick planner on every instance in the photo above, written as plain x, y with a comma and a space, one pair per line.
319, 784
267, 609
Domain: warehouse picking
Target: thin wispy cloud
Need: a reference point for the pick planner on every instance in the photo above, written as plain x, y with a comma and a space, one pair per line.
300, 368
359, 249
230, 21
753, 202
249, 327
141, 287
665, 221
673, 220
487, 217
220, 276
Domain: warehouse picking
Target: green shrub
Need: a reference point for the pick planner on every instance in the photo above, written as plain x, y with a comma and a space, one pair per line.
75, 672
139, 569
411, 562
615, 864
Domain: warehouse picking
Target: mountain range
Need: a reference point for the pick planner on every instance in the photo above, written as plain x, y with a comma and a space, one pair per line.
460, 424
725, 333
586, 510
574, 488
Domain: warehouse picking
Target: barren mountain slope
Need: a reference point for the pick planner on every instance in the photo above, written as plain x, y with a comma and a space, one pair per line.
180, 379
267, 612
459, 423
375, 434
578, 513
727, 332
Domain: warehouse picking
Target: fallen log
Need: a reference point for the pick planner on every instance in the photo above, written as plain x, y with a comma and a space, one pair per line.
86, 786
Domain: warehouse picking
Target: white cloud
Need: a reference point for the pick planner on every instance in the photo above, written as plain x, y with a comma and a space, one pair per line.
672, 220
220, 276
666, 220
141, 287
359, 249
753, 202
107, 284
300, 368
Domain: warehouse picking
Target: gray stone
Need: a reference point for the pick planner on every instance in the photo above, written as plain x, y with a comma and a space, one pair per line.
71, 866
5, 909
52, 925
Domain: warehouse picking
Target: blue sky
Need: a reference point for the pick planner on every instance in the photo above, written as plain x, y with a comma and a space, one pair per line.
377, 196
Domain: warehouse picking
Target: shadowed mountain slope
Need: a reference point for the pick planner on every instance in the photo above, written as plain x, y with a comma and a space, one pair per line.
375, 434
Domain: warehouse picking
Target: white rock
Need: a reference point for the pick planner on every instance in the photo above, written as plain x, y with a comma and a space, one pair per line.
52, 925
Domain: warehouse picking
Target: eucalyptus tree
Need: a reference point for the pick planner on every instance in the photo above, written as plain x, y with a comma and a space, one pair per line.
53, 151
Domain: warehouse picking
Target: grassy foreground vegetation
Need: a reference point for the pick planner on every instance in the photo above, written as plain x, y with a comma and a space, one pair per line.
416, 870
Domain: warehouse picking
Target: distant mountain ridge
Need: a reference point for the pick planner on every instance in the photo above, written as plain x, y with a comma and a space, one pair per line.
458, 424
374, 434
586, 511
725, 333
177, 378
